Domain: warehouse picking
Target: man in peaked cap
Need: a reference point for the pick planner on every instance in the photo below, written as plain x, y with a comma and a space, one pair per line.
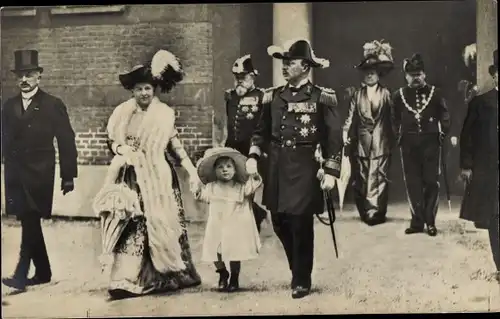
296, 118
30, 121
421, 122
243, 108
479, 163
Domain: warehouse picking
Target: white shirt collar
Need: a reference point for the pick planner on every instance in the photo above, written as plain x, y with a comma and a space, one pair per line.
301, 83
29, 95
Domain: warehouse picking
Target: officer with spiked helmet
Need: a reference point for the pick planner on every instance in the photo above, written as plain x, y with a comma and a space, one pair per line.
421, 121
243, 108
296, 118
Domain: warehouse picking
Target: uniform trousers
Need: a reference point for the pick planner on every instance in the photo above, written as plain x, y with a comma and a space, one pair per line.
495, 239
296, 233
32, 248
421, 167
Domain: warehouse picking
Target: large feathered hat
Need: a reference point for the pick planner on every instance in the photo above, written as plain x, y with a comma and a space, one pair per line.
414, 64
206, 165
470, 55
297, 49
244, 65
377, 55
494, 67
164, 70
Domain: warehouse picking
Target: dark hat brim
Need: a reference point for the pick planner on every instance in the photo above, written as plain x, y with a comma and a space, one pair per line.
206, 170
382, 67
27, 69
287, 56
139, 75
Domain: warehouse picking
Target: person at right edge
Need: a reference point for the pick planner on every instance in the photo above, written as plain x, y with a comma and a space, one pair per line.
295, 119
479, 164
421, 123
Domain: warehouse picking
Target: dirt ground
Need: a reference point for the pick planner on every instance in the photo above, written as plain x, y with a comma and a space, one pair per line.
379, 270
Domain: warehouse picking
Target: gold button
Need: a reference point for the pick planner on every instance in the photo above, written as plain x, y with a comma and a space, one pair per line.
288, 143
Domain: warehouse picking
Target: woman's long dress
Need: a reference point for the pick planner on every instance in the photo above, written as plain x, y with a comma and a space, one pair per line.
133, 271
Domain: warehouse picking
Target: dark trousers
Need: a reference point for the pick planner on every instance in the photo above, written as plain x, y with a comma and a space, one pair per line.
371, 187
421, 159
296, 233
32, 248
495, 240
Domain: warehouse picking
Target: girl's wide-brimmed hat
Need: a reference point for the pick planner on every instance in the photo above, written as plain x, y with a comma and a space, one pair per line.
206, 165
298, 49
377, 55
164, 70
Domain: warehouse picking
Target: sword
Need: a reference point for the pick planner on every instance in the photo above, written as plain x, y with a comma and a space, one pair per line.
328, 202
444, 174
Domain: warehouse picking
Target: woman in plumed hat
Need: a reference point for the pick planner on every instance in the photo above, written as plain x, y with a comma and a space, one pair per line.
369, 130
152, 253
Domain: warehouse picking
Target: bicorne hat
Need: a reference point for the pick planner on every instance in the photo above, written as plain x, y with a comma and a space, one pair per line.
206, 165
299, 49
244, 65
26, 60
164, 70
377, 55
494, 67
414, 64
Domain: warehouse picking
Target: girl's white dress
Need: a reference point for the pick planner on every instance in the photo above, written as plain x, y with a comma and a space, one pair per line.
231, 229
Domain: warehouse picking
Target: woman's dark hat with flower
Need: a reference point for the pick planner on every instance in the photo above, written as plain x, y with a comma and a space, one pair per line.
26, 60
377, 55
494, 67
300, 49
206, 169
164, 70
414, 64
244, 65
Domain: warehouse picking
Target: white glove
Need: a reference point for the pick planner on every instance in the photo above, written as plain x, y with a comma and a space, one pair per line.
251, 166
194, 183
328, 182
124, 149
454, 141
345, 138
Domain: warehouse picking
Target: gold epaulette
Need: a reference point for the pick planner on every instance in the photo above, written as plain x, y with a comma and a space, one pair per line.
268, 95
227, 94
327, 96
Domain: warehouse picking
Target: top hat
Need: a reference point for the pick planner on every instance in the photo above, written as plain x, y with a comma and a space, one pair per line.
377, 55
300, 49
494, 67
414, 64
244, 65
206, 169
26, 60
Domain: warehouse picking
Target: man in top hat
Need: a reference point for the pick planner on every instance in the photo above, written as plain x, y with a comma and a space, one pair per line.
296, 118
243, 108
30, 121
479, 163
421, 120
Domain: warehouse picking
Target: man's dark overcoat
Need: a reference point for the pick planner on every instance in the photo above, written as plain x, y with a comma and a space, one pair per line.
29, 153
479, 152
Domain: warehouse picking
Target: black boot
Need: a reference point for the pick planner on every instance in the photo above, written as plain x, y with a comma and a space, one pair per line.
234, 283
223, 277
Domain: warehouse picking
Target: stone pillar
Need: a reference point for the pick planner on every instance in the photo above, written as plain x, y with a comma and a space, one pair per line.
487, 33
290, 21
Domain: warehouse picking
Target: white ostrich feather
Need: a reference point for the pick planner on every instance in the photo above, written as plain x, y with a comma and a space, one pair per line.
405, 62
377, 48
161, 60
470, 54
273, 49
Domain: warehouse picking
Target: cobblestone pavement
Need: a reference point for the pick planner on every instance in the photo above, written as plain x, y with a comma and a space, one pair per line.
379, 270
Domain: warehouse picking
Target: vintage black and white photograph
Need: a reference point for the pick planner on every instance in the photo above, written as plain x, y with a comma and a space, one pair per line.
231, 159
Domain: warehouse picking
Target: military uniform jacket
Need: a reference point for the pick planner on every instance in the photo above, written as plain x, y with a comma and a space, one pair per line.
292, 126
427, 116
29, 153
243, 114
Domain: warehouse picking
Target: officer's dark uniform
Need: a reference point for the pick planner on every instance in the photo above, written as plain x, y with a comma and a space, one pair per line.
422, 119
294, 125
243, 114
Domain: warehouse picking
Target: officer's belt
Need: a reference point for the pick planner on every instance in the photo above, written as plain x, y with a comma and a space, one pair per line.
292, 143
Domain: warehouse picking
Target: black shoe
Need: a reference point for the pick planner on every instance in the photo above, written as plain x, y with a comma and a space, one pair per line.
234, 284
412, 230
375, 220
223, 277
119, 294
432, 231
300, 292
37, 280
15, 283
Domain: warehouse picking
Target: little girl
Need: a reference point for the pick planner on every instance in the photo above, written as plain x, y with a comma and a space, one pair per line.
230, 234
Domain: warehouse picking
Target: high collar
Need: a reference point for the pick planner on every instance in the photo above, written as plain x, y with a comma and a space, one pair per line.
300, 84
29, 95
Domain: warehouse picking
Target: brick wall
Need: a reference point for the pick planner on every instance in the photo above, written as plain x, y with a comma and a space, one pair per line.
83, 56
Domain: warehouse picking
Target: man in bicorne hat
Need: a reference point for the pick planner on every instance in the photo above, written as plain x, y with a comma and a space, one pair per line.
421, 121
479, 163
30, 121
296, 118
243, 108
